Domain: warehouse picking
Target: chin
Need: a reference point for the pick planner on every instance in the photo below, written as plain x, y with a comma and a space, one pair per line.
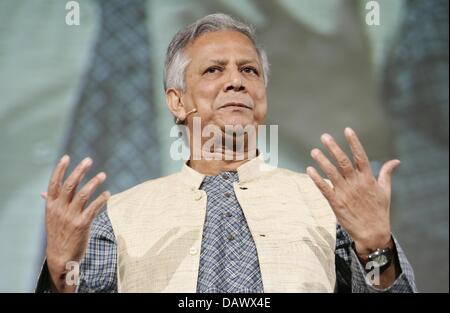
237, 121
235, 118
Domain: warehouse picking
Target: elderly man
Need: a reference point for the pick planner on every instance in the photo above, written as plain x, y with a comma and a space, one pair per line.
226, 224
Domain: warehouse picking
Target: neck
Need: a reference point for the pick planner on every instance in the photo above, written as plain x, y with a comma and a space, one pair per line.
221, 152
220, 158
214, 167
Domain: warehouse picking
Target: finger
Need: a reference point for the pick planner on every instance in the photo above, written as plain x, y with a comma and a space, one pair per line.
344, 164
57, 177
82, 177
359, 154
44, 195
385, 176
92, 210
327, 167
323, 186
86, 192
71, 183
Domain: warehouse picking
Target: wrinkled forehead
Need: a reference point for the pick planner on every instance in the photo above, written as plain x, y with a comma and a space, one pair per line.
223, 46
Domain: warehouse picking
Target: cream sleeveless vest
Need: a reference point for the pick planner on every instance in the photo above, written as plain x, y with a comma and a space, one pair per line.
159, 224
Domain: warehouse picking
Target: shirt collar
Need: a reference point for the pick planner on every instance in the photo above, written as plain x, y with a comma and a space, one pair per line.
248, 171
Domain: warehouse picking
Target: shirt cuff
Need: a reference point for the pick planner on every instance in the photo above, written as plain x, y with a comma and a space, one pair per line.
44, 284
403, 283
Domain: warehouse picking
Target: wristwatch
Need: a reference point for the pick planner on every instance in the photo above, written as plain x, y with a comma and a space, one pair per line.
379, 258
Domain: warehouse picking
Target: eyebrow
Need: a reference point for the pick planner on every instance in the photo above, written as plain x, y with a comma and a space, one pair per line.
224, 62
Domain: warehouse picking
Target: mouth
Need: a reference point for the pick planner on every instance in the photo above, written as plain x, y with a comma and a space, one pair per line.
235, 104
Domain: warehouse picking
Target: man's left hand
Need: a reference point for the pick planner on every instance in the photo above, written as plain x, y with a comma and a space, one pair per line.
360, 202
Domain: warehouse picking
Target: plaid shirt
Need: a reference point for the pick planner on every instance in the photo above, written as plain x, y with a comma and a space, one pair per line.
228, 259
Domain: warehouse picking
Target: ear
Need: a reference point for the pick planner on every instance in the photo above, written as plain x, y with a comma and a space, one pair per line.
173, 100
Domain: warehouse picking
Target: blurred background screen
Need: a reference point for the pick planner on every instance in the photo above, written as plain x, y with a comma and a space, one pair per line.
91, 85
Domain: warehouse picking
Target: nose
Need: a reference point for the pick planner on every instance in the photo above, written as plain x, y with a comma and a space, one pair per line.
235, 82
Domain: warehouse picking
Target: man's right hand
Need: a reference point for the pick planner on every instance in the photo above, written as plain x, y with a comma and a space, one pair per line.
68, 219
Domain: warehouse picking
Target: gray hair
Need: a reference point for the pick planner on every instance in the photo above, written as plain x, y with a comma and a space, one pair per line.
177, 61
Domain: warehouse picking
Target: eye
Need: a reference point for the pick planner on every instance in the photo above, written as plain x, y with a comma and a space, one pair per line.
250, 70
212, 70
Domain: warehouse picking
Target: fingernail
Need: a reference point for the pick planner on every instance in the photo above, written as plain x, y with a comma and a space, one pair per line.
107, 194
101, 175
348, 130
87, 161
326, 137
314, 152
64, 158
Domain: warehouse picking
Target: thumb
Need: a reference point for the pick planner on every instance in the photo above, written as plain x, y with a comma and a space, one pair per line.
384, 178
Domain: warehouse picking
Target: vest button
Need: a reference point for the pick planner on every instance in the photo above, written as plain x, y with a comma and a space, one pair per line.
198, 195
193, 251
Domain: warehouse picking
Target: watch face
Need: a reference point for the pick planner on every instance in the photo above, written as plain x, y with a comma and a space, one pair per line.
380, 257
381, 260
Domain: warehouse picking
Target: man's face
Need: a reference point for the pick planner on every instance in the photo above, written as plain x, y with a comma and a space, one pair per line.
225, 81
